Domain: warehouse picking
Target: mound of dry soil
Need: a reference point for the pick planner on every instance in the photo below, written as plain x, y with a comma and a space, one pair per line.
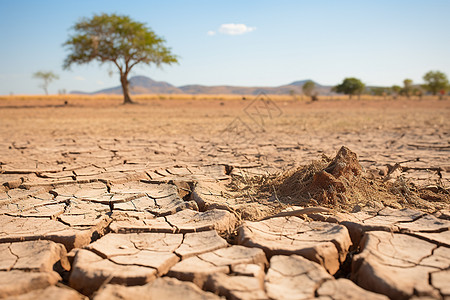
341, 183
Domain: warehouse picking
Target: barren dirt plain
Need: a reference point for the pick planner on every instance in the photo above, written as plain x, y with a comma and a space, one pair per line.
202, 197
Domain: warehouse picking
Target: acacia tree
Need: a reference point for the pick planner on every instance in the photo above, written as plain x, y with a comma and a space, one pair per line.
308, 89
435, 82
116, 39
380, 91
407, 87
350, 86
396, 89
47, 77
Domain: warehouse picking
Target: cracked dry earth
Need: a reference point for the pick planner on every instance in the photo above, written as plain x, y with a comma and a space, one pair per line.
92, 216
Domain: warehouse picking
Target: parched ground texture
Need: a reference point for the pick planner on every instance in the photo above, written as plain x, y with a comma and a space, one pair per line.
209, 199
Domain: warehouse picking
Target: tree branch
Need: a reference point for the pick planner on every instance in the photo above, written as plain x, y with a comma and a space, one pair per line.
118, 66
135, 63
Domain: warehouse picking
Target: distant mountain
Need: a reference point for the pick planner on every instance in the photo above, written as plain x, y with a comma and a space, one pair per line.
302, 82
320, 89
79, 93
239, 90
145, 85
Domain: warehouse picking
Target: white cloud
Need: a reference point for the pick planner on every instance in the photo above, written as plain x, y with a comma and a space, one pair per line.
235, 29
80, 78
211, 32
99, 82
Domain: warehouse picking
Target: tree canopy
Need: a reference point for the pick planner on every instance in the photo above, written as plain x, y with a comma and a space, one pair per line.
350, 86
396, 89
119, 40
436, 82
379, 91
47, 77
407, 87
308, 88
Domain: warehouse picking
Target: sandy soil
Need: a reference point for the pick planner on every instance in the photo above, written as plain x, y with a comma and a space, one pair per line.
273, 134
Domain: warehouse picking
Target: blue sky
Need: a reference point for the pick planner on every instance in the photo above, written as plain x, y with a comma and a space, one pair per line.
381, 42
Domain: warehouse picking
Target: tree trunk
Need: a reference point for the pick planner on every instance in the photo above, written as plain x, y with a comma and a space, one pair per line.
125, 89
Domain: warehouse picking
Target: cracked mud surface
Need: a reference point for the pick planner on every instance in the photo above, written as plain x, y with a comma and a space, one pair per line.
157, 201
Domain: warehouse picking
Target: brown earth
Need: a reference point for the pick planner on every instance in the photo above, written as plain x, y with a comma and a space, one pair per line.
178, 197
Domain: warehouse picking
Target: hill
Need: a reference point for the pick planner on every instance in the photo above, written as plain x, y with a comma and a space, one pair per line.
146, 85
143, 85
